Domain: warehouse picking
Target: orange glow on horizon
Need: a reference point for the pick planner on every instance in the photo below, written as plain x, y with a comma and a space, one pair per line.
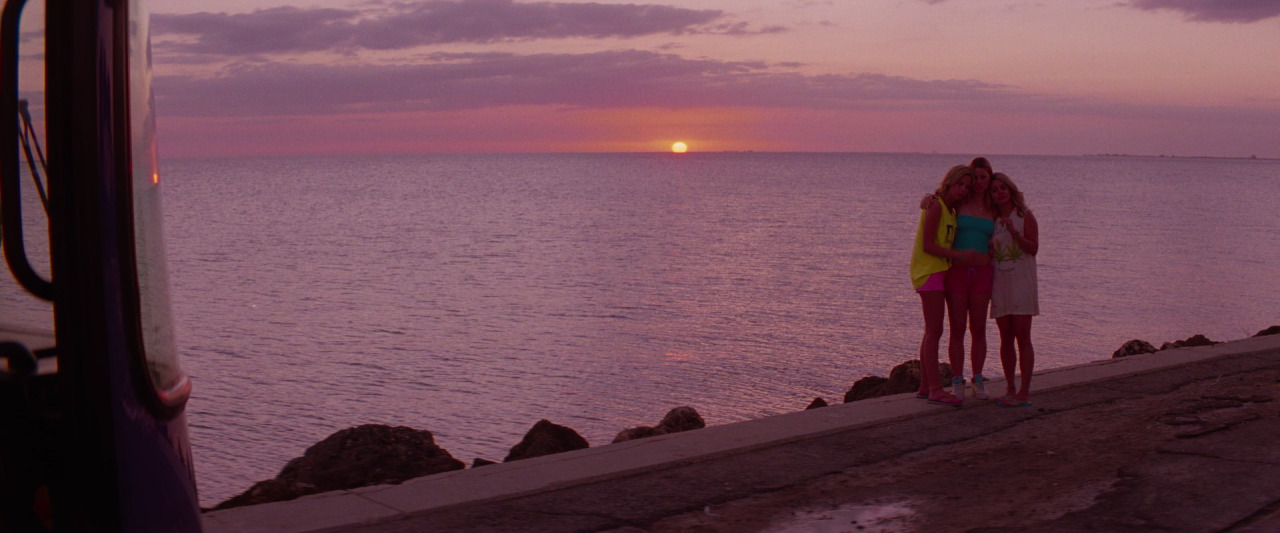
679, 147
469, 131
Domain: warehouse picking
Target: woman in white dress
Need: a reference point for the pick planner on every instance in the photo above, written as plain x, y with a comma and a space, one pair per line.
1014, 301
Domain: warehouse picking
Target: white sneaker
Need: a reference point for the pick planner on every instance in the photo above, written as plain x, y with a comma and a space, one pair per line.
957, 387
980, 387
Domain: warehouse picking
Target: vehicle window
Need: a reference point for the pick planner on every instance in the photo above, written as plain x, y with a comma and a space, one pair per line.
25, 318
153, 282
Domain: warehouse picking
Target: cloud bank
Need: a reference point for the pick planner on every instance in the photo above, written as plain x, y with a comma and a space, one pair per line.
1237, 11
265, 76
594, 80
291, 66
404, 25
628, 78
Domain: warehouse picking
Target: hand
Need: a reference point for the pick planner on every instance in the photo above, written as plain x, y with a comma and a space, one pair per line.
928, 200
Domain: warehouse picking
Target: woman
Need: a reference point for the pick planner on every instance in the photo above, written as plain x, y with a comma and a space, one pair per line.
930, 261
968, 282
1013, 297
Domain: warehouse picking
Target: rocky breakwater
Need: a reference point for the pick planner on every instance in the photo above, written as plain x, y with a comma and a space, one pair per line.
375, 454
903, 378
677, 420
1139, 346
354, 457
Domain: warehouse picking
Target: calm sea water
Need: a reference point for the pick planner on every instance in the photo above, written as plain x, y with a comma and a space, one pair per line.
473, 295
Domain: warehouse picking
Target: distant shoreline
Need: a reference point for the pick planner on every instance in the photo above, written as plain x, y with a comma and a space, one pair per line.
1216, 157
690, 153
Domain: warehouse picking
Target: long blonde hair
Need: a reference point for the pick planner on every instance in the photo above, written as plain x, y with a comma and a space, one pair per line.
955, 174
1015, 195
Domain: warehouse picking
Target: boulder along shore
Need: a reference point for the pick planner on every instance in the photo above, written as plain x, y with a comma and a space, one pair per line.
375, 454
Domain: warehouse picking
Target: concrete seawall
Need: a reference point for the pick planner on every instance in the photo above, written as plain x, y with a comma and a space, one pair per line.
750, 475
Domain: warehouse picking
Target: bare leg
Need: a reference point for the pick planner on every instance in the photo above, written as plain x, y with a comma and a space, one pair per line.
1026, 353
934, 306
978, 307
957, 316
1008, 354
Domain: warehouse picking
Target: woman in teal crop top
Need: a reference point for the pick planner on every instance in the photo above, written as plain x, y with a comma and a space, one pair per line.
974, 233
968, 283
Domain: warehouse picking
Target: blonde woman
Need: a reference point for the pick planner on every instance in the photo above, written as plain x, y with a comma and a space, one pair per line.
1014, 299
931, 258
968, 282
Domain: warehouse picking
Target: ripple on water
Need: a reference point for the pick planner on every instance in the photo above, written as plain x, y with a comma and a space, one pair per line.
472, 296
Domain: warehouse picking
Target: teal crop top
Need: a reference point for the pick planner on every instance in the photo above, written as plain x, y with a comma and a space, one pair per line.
973, 233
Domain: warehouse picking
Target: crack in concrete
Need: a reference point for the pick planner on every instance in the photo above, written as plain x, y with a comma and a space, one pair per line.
1208, 455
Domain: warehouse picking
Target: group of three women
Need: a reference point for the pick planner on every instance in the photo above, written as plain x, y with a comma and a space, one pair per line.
975, 251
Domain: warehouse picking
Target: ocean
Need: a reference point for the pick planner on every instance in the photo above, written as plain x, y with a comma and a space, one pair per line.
474, 295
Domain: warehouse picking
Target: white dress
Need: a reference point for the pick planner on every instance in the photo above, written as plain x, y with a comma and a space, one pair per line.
1013, 290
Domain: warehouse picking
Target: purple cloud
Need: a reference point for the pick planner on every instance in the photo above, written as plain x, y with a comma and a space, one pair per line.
1239, 11
408, 24
598, 80
283, 29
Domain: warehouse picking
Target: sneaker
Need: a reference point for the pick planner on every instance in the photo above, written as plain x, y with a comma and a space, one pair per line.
980, 387
957, 387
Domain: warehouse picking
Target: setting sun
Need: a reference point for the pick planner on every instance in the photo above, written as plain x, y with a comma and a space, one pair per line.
679, 147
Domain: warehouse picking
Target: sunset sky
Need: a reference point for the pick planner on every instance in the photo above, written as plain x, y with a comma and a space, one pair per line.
292, 77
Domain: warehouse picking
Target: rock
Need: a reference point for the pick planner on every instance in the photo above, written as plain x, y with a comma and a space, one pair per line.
1194, 340
906, 377
478, 462
903, 378
1133, 347
361, 456
683, 418
545, 438
1273, 330
639, 432
867, 387
816, 403
271, 490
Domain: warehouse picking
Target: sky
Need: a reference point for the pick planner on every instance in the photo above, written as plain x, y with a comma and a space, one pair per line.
299, 77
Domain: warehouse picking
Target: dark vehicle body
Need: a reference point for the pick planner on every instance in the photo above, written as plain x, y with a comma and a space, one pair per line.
93, 435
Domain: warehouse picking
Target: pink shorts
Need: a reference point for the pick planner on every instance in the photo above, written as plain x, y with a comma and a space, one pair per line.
972, 280
934, 283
